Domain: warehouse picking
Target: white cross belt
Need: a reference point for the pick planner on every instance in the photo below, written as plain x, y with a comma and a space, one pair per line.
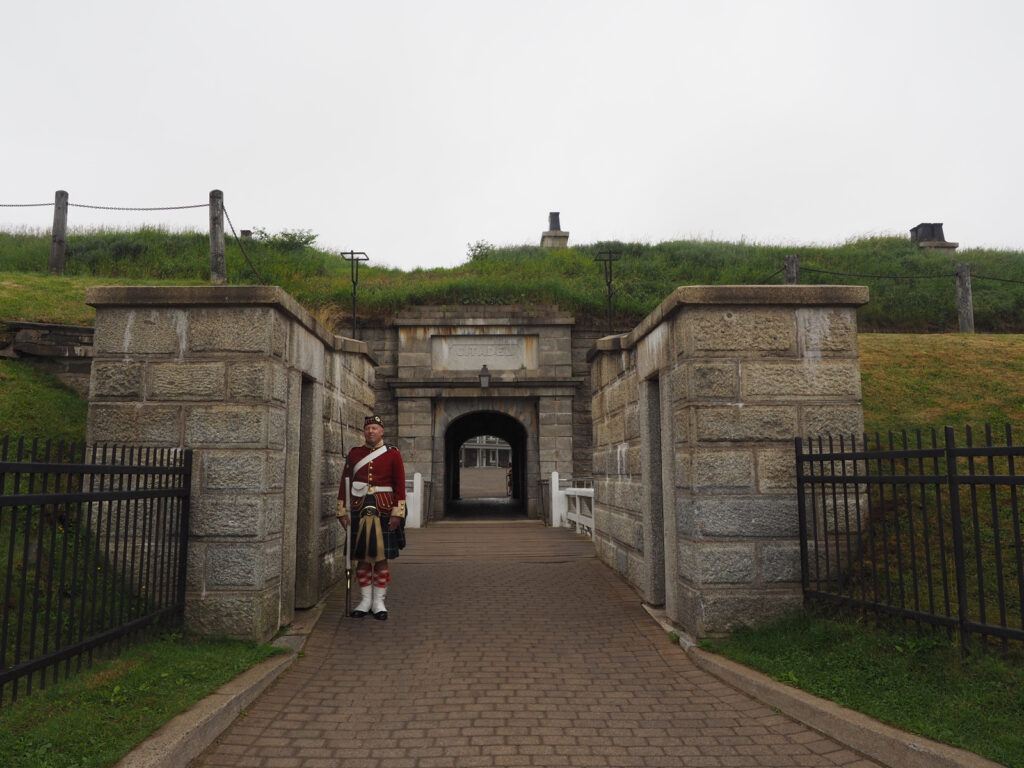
360, 489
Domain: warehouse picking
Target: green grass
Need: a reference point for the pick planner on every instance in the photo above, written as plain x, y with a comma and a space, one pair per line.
568, 277
46, 299
93, 719
927, 382
923, 381
35, 404
917, 682
96, 716
66, 585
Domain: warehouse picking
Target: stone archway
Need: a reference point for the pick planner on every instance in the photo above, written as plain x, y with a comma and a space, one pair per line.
515, 419
435, 359
475, 424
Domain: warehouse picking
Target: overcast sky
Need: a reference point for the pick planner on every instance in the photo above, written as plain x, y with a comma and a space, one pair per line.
409, 129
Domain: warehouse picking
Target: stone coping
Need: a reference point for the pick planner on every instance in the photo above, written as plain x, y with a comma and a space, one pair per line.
479, 322
496, 383
710, 295
223, 296
482, 315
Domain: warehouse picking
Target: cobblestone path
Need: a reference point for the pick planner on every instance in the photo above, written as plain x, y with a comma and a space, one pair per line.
508, 645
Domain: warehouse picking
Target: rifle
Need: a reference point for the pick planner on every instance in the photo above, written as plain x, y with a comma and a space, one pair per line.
348, 548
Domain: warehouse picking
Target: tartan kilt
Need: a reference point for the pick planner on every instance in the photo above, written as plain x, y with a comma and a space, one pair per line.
391, 547
393, 540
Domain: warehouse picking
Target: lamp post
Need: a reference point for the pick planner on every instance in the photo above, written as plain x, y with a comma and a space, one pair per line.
485, 377
607, 258
354, 257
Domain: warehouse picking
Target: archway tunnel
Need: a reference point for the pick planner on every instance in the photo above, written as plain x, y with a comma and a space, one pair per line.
510, 462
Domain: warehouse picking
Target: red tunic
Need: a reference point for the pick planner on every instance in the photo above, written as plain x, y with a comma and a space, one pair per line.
385, 470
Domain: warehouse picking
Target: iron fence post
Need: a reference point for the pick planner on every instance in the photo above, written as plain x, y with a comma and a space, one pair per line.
805, 573
958, 539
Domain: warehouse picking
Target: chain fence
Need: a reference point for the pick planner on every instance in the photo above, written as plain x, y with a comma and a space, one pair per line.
234, 234
137, 208
934, 276
62, 236
963, 276
108, 207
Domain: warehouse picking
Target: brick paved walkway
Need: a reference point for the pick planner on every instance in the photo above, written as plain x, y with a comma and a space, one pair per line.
537, 656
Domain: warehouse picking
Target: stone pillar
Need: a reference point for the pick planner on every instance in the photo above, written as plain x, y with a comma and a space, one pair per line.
415, 434
740, 370
267, 399
555, 435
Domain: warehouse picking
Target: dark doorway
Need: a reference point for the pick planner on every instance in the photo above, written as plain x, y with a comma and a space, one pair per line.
306, 588
505, 431
651, 435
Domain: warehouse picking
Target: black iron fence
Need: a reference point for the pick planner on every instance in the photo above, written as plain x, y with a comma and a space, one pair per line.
916, 528
92, 551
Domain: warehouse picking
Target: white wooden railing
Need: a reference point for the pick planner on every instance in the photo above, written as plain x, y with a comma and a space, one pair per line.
416, 498
571, 507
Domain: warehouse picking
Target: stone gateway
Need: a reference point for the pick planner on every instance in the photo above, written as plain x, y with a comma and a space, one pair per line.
684, 425
537, 397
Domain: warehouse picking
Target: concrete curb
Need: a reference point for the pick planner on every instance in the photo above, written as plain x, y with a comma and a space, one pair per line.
188, 734
184, 738
883, 743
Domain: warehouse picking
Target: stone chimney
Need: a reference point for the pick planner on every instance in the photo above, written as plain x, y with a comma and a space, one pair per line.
931, 236
554, 237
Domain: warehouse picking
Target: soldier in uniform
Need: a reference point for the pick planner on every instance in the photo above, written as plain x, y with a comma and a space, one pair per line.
377, 477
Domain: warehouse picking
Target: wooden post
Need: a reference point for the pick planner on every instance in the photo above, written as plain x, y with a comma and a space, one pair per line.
792, 267
58, 245
964, 300
218, 266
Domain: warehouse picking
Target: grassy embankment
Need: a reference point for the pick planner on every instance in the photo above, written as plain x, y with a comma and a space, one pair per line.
916, 681
568, 278
95, 717
915, 381
35, 404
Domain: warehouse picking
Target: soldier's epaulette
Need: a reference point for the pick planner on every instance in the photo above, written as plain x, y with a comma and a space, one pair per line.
391, 447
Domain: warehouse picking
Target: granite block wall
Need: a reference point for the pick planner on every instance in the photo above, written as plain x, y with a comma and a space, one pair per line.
269, 401
694, 413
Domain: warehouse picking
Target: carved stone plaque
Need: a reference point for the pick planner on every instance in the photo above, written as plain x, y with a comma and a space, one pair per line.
469, 353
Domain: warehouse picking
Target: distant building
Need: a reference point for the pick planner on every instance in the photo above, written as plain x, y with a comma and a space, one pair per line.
485, 451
